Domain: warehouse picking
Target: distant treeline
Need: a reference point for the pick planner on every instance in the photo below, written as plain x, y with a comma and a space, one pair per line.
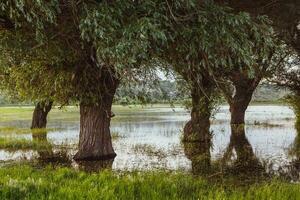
167, 92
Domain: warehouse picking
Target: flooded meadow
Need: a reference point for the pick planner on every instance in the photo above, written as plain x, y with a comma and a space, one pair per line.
147, 138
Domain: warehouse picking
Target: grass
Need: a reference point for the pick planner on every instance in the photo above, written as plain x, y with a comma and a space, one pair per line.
18, 130
116, 135
70, 113
14, 144
9, 129
265, 124
149, 150
62, 183
24, 113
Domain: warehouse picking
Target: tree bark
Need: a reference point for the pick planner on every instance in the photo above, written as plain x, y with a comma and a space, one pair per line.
244, 89
95, 138
95, 166
197, 129
199, 154
40, 113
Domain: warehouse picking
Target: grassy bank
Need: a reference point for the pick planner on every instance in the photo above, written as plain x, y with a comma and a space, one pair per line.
28, 183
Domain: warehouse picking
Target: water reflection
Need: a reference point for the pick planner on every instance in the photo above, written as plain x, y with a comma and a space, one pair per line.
150, 139
239, 148
238, 157
40, 136
94, 166
47, 155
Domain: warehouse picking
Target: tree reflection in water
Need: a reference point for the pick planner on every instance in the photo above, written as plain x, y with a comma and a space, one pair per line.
240, 148
47, 155
238, 158
199, 154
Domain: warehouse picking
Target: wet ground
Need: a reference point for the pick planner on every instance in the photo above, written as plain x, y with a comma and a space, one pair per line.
150, 138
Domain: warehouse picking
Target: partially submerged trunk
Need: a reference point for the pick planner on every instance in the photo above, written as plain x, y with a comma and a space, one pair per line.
95, 116
95, 166
199, 154
95, 138
197, 129
40, 113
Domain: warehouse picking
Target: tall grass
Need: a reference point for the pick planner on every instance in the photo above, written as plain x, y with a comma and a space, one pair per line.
28, 183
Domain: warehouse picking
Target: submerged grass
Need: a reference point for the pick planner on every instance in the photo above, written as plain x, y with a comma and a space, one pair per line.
266, 124
149, 150
116, 135
63, 183
14, 144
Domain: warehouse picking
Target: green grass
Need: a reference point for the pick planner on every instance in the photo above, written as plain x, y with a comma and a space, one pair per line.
9, 129
116, 135
17, 130
149, 150
62, 183
14, 144
24, 113
69, 113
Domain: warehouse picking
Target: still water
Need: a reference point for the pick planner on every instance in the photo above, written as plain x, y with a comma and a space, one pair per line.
151, 139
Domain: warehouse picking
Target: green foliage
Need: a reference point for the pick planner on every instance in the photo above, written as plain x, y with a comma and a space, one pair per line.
37, 13
28, 183
121, 31
127, 39
79, 41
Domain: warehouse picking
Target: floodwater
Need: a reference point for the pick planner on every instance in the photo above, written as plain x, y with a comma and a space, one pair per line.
151, 139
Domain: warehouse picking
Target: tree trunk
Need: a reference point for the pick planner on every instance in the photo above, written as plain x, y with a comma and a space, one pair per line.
199, 154
95, 166
95, 138
39, 118
239, 104
197, 129
96, 84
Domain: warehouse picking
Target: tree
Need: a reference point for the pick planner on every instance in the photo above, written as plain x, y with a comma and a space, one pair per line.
92, 46
285, 17
239, 81
39, 118
12, 14
206, 41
